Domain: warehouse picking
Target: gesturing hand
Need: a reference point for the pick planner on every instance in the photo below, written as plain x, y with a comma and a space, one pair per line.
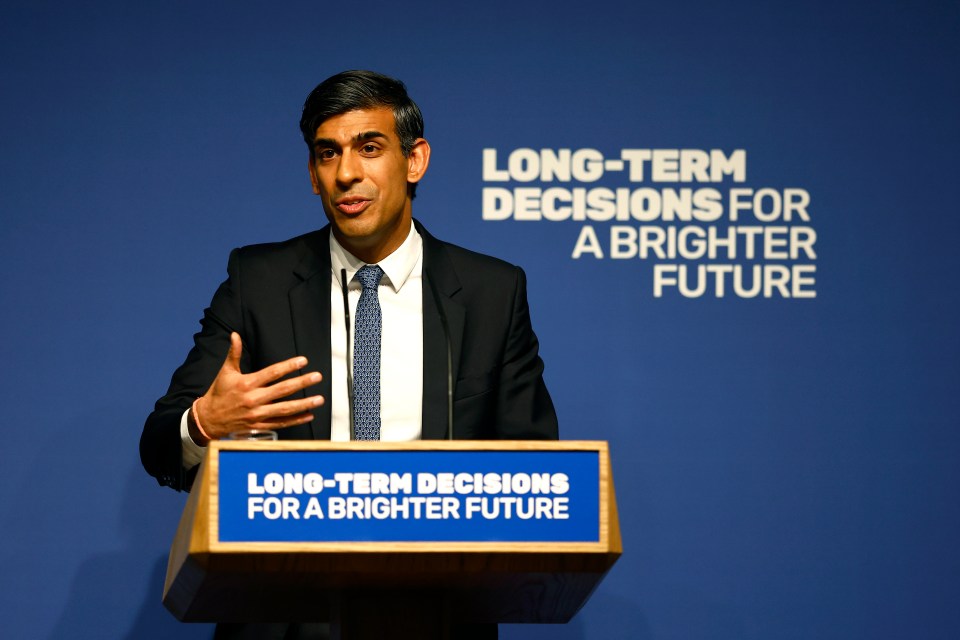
237, 401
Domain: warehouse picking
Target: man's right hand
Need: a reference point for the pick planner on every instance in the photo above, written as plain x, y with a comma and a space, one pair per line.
237, 401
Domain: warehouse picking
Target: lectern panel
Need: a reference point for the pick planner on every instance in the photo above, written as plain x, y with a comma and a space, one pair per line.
409, 496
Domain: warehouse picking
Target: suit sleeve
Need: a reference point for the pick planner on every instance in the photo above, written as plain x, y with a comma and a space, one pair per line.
160, 444
524, 406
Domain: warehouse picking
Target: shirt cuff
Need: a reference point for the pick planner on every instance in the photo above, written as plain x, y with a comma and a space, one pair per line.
191, 451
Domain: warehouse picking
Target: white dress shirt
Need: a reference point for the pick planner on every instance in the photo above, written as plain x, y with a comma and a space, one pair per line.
401, 345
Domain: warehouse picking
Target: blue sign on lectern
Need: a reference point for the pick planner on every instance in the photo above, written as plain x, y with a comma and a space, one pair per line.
409, 496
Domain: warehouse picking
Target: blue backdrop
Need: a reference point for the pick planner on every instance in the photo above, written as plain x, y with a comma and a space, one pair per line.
785, 468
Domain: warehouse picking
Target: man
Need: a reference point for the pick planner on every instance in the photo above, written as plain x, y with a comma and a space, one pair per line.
273, 349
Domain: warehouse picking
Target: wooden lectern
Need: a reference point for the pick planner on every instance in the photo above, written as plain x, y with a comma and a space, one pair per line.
417, 588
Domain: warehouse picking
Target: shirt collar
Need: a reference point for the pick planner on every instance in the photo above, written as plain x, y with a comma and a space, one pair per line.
397, 266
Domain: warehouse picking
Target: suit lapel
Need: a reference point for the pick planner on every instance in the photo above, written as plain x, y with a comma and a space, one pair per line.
438, 269
310, 310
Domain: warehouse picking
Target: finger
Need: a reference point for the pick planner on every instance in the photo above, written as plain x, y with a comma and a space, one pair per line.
286, 408
233, 355
276, 371
285, 388
287, 421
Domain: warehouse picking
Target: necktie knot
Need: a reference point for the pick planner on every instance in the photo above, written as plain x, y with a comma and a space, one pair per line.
369, 276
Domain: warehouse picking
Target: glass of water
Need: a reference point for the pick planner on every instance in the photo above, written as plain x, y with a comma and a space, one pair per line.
253, 434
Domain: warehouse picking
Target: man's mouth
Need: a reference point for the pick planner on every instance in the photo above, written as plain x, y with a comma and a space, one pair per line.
352, 205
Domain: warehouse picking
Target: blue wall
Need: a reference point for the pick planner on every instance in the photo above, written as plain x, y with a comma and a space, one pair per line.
785, 468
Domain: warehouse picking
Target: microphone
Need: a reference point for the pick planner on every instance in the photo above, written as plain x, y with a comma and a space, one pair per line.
348, 359
446, 337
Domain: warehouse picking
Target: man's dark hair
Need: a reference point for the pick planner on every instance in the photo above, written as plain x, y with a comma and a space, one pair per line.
352, 90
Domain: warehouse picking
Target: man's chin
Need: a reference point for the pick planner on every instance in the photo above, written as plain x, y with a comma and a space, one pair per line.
356, 229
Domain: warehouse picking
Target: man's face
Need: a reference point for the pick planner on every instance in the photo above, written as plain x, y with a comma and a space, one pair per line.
359, 171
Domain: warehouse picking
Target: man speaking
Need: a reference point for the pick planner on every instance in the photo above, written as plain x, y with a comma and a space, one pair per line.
369, 328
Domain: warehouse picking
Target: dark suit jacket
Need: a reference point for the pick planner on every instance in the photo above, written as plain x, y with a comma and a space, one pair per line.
277, 297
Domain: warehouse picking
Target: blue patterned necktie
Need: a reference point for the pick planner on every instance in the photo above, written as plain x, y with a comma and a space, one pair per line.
366, 356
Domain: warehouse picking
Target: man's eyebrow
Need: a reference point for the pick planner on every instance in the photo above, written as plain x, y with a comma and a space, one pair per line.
369, 135
360, 137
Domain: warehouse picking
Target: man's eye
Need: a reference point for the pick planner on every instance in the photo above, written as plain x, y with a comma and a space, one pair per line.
325, 154
370, 148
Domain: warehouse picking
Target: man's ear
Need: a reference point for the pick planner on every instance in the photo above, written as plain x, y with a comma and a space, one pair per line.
314, 179
418, 160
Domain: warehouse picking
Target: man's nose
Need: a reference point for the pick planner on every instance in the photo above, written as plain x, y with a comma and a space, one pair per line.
349, 169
